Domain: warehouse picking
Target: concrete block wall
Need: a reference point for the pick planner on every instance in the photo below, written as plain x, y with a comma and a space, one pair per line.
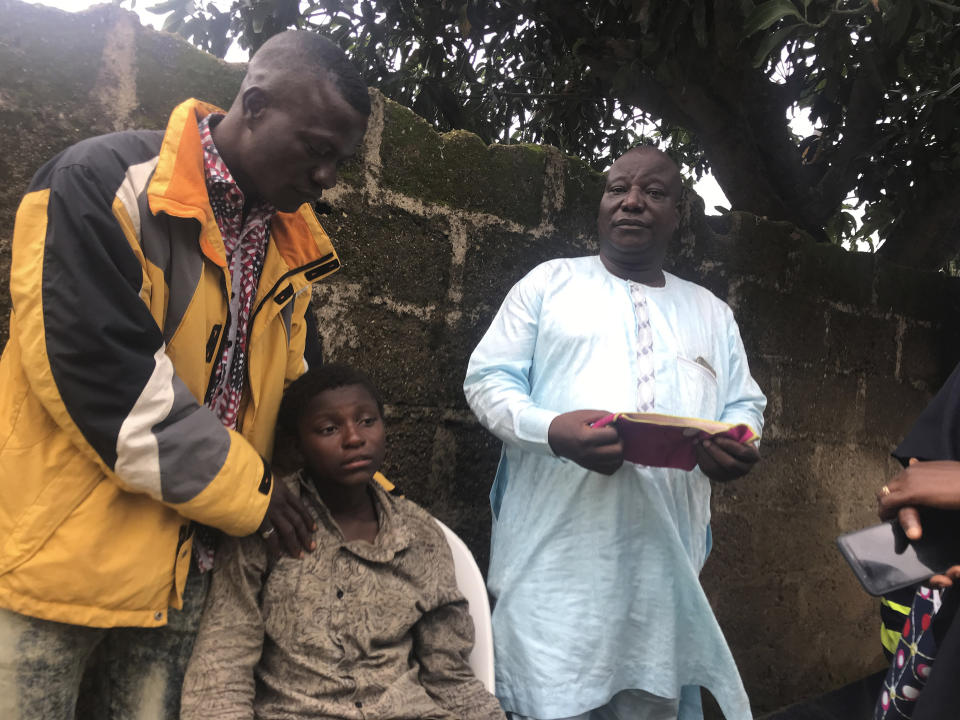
434, 229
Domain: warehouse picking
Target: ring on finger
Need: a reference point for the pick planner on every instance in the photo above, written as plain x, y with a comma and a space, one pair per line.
268, 532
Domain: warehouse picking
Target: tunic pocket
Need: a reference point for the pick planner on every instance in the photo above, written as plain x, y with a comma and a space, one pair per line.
697, 389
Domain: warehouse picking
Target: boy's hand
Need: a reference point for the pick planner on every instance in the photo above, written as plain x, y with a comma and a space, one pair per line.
288, 524
597, 449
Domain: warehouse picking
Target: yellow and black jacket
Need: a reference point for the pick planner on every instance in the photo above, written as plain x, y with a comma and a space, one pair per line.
120, 300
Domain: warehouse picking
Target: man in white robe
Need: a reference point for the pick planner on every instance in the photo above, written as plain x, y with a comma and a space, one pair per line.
599, 612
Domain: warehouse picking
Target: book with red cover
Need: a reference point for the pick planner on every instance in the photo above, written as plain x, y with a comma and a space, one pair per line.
658, 440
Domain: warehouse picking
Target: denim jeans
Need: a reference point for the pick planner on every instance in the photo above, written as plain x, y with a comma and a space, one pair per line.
55, 671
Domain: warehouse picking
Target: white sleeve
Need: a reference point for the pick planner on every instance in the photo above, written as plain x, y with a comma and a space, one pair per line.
497, 385
744, 402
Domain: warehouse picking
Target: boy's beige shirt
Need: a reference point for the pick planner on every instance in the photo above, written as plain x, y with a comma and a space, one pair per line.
352, 630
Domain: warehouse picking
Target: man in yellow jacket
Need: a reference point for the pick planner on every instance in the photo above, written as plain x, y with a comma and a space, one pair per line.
159, 283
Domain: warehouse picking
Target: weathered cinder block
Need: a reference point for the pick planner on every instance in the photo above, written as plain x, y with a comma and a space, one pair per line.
459, 170
772, 625
425, 458
496, 259
396, 254
768, 373
922, 357
694, 233
783, 479
410, 440
857, 342
928, 354
892, 408
399, 349
582, 189
832, 273
447, 466
786, 555
169, 71
751, 247
780, 325
781, 648
469, 481
920, 295
50, 62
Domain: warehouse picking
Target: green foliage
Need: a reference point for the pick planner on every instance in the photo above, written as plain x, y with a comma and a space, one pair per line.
887, 70
712, 80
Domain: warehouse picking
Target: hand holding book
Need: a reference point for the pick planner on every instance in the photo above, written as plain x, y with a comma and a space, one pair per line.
670, 441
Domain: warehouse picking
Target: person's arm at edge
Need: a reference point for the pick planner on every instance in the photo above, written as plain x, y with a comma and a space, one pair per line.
219, 683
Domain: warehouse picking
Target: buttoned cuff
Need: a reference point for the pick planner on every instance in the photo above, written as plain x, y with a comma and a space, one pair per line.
533, 426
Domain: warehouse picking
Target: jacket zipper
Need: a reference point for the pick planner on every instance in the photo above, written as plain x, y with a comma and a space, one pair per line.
224, 333
289, 274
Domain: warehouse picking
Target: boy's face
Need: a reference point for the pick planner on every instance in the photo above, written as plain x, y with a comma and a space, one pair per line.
341, 436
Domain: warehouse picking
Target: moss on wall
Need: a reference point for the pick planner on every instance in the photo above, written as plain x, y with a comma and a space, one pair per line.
169, 71
458, 170
49, 63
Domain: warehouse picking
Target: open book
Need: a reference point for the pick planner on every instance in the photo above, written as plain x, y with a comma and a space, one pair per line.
659, 440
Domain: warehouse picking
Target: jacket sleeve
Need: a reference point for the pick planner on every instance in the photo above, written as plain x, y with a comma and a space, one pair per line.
219, 683
95, 357
443, 639
497, 385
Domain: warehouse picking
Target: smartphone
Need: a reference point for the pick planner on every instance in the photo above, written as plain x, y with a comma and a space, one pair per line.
884, 560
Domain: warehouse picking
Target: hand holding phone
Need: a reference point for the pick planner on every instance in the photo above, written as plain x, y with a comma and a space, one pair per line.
884, 559
930, 484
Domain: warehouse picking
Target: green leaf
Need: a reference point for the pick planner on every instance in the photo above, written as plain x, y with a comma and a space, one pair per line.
172, 22
766, 14
165, 7
896, 23
772, 41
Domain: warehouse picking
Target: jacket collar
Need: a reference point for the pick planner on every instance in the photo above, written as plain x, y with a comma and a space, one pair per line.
178, 188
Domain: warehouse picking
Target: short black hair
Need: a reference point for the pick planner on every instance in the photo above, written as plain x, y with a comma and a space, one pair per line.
315, 381
302, 51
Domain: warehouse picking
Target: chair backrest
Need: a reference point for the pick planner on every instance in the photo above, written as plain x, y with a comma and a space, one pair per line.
471, 584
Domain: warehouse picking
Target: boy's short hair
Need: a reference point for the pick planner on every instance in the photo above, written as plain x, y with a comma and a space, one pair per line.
315, 381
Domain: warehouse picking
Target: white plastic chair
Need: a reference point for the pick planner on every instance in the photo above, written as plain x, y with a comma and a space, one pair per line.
470, 582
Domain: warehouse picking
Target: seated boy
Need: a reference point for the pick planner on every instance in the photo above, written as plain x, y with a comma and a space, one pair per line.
368, 625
